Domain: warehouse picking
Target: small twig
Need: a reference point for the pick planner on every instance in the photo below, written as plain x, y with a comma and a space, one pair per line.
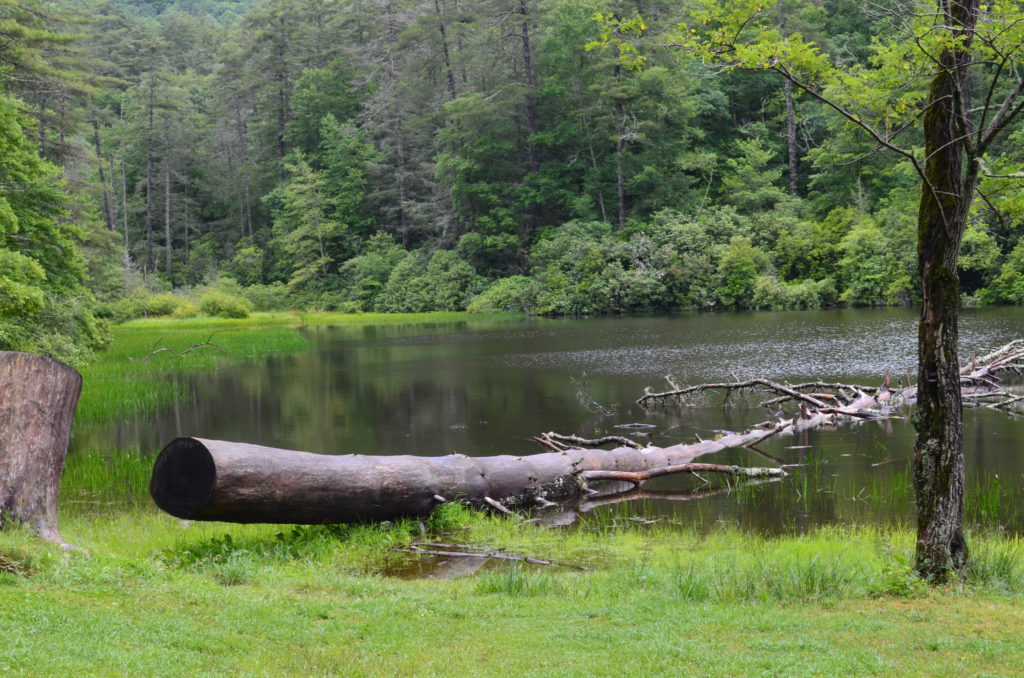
637, 477
729, 387
193, 347
550, 444
493, 503
489, 555
154, 352
576, 440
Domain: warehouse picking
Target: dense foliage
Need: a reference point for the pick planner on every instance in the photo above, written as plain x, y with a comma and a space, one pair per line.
546, 156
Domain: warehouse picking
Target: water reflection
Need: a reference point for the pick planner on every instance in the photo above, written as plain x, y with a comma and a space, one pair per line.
486, 387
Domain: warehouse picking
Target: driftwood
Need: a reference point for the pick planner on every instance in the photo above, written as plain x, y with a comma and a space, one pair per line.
983, 383
481, 552
38, 397
200, 479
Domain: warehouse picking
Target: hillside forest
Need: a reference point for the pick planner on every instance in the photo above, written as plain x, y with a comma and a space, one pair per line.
214, 156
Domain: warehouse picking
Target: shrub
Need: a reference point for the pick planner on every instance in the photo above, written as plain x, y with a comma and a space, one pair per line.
186, 309
224, 305
517, 294
739, 269
770, 294
450, 282
404, 291
272, 297
126, 309
162, 304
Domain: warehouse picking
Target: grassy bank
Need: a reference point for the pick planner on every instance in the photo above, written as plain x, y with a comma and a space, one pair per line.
148, 361
157, 597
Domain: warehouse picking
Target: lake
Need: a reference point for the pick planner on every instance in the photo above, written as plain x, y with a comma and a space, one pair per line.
485, 386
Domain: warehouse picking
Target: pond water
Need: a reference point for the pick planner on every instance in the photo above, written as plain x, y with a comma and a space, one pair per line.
484, 387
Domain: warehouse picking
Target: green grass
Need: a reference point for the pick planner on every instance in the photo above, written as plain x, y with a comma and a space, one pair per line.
157, 597
133, 377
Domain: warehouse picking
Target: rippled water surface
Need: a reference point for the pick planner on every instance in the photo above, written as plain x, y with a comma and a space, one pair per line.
485, 387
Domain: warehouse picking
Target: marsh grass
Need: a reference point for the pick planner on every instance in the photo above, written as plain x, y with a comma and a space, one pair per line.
990, 502
103, 482
123, 382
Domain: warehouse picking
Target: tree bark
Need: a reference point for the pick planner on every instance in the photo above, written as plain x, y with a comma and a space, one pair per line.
619, 111
445, 52
124, 183
532, 115
108, 215
243, 143
168, 244
38, 397
942, 218
201, 479
794, 171
150, 264
397, 121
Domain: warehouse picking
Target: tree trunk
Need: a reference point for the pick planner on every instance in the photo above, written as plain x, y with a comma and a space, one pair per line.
942, 218
620, 152
283, 103
111, 189
124, 183
243, 143
445, 52
42, 125
38, 397
168, 245
124, 202
200, 479
150, 264
619, 111
397, 122
108, 215
532, 115
794, 174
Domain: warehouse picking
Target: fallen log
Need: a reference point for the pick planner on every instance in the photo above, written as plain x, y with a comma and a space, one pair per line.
198, 479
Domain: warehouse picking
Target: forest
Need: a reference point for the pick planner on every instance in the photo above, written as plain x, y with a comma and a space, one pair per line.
557, 157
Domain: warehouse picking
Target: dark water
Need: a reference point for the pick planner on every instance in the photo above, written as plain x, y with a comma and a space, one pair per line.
485, 387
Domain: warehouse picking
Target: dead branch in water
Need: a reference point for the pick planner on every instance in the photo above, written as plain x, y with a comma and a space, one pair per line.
982, 381
556, 441
194, 347
637, 477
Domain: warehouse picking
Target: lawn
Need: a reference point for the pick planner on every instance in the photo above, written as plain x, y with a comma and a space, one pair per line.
158, 597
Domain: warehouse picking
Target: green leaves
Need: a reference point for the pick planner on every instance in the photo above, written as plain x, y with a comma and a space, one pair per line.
44, 308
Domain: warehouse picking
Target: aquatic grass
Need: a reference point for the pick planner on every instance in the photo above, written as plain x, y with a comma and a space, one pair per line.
133, 376
106, 481
129, 379
991, 503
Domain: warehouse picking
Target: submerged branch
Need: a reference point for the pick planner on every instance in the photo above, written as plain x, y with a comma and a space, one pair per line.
981, 381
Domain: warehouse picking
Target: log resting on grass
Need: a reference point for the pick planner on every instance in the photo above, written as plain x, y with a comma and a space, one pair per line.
200, 479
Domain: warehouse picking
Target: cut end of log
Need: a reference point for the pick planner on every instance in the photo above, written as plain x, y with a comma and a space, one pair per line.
183, 478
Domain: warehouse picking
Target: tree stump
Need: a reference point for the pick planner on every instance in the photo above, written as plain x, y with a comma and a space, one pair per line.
38, 397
